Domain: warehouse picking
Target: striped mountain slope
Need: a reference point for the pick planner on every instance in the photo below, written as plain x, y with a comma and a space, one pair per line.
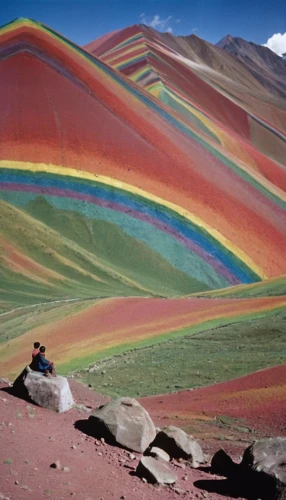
115, 325
127, 197
203, 84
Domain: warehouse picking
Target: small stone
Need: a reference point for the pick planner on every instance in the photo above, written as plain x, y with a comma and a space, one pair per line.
4, 380
180, 465
132, 456
81, 407
179, 491
66, 469
102, 441
16, 482
155, 471
74, 447
8, 461
185, 478
56, 465
100, 454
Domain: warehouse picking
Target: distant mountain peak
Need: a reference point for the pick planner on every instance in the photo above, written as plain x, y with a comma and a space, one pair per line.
262, 62
230, 40
226, 39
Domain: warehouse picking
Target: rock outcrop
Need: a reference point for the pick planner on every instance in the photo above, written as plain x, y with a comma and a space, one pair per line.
127, 422
51, 393
261, 473
155, 471
222, 464
178, 444
267, 454
267, 458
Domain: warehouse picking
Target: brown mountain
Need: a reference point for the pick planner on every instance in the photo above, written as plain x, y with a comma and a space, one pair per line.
265, 65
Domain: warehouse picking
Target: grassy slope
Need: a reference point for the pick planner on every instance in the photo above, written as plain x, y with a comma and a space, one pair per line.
268, 288
88, 265
125, 254
88, 258
15, 323
202, 359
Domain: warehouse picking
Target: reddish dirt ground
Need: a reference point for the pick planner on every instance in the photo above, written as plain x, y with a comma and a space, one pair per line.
32, 438
258, 400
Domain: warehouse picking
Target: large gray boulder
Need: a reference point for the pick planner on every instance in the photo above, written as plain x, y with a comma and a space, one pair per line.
266, 454
155, 471
267, 458
126, 421
178, 444
51, 393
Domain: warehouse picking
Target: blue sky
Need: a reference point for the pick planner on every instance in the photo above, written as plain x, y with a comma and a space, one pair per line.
84, 20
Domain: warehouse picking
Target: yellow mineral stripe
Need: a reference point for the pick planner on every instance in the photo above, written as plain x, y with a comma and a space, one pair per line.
55, 169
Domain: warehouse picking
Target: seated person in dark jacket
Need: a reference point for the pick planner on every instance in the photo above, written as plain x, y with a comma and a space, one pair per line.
41, 364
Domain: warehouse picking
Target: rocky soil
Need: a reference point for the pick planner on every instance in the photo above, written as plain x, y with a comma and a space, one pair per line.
33, 438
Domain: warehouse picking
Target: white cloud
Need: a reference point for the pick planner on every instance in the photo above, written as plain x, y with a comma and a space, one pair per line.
157, 22
178, 20
277, 43
194, 30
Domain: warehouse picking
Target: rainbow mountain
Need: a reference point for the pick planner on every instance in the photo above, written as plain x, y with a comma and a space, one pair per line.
116, 184
204, 85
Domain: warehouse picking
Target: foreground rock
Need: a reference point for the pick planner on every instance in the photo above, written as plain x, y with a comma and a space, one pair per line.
261, 474
159, 454
222, 464
267, 455
51, 393
155, 471
178, 444
267, 458
127, 422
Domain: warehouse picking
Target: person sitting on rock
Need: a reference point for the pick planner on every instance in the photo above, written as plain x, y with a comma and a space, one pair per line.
36, 349
41, 364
